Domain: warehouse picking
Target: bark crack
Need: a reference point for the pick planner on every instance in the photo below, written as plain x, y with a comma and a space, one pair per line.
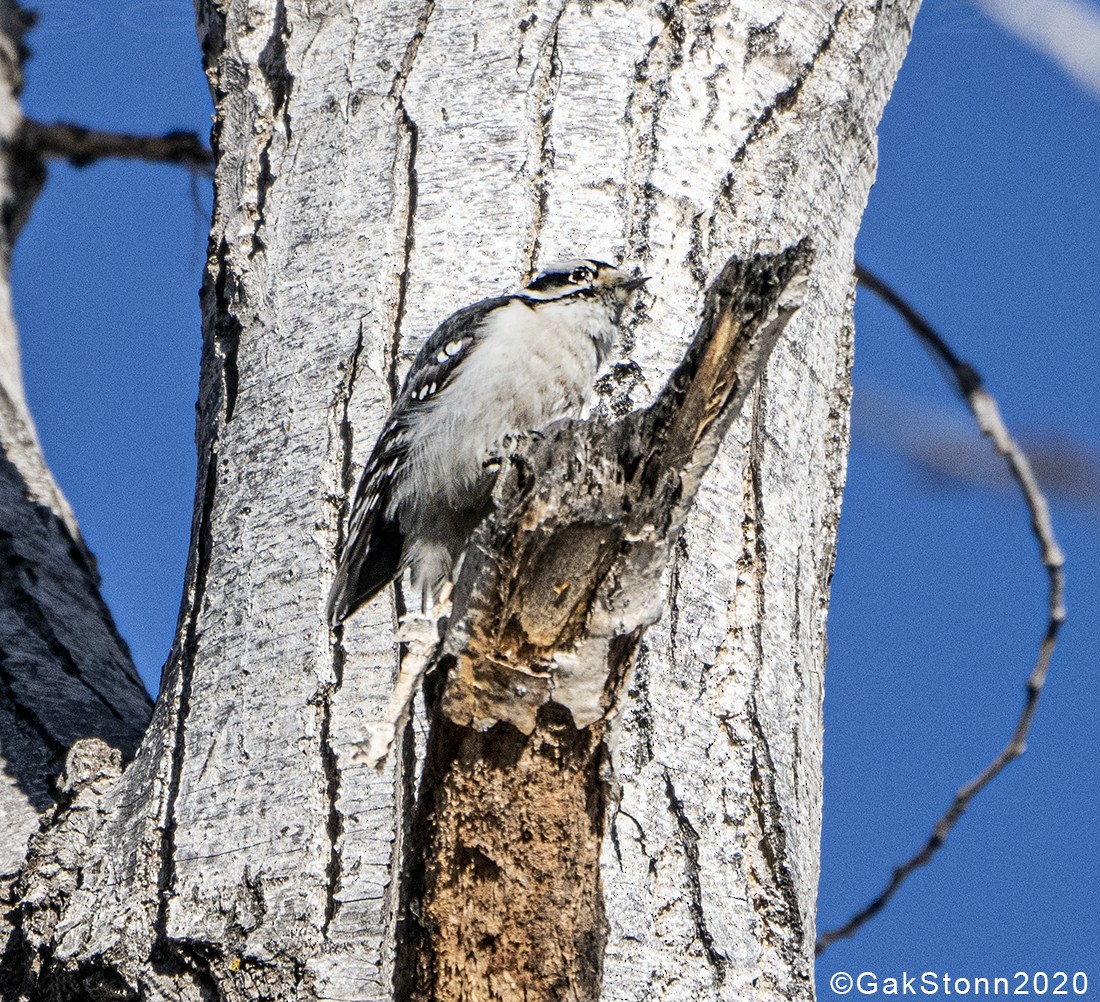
227, 334
783, 102
546, 90
621, 812
334, 823
272, 63
397, 90
679, 552
185, 663
346, 431
329, 763
689, 841
411, 133
773, 842
765, 801
663, 56
408, 129
759, 555
835, 439
786, 99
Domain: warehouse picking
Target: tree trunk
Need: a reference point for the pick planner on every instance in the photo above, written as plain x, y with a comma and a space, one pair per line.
379, 166
65, 673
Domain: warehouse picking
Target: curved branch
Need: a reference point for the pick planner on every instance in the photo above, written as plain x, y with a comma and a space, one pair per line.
982, 404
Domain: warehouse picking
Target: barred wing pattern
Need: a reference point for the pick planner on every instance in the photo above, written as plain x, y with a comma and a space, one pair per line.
374, 551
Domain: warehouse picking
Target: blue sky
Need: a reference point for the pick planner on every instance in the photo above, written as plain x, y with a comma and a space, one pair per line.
986, 214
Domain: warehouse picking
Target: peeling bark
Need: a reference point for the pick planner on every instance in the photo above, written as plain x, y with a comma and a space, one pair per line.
377, 167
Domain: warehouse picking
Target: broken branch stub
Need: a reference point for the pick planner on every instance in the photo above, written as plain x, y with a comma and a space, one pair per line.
558, 586
504, 894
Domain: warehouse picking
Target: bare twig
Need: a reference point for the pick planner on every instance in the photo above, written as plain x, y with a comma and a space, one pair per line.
988, 416
1066, 31
81, 146
421, 639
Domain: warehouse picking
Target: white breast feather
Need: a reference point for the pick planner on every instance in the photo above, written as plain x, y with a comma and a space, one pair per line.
532, 367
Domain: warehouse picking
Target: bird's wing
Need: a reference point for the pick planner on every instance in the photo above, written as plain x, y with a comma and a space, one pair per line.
374, 546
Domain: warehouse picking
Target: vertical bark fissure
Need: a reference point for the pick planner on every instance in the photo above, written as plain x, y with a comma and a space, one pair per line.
773, 843
345, 431
664, 55
329, 761
272, 63
689, 843
334, 822
407, 128
227, 335
835, 440
185, 662
411, 135
783, 928
545, 84
674, 599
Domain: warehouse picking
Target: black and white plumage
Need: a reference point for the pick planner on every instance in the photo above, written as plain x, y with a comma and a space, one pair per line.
500, 367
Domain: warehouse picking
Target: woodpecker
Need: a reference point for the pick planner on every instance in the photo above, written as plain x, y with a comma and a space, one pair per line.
498, 368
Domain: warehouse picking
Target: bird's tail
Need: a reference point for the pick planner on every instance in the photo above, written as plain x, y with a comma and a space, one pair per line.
367, 565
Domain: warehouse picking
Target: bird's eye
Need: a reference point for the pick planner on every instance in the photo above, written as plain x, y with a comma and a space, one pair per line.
582, 275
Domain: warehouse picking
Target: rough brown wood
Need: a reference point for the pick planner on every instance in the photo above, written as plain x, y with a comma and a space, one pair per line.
511, 904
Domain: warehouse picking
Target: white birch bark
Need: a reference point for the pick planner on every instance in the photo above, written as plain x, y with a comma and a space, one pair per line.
379, 166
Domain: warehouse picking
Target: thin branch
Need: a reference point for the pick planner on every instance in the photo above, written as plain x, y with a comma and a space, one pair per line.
987, 414
1066, 31
421, 637
81, 146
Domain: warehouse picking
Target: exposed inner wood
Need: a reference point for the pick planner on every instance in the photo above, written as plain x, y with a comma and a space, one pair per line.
505, 899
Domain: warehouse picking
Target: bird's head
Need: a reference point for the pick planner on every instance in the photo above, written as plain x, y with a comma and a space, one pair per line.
583, 279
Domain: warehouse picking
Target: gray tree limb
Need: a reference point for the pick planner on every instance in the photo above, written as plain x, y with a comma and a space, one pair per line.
65, 673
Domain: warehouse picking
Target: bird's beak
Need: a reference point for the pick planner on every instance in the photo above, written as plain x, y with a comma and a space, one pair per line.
630, 284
